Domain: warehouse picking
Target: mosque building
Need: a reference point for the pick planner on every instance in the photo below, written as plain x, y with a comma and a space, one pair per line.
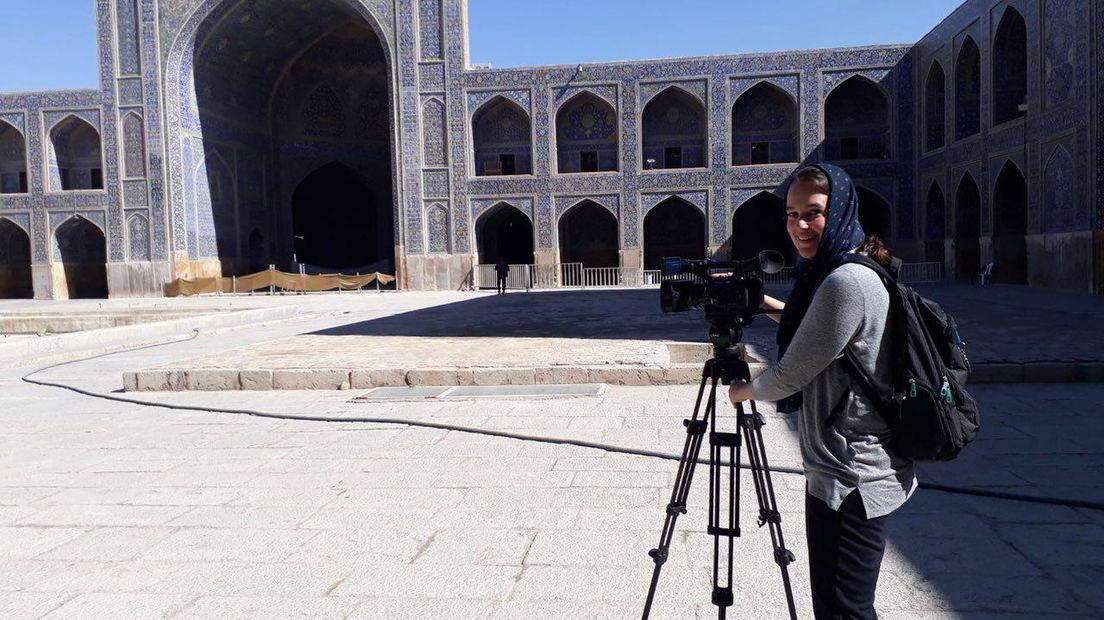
355, 135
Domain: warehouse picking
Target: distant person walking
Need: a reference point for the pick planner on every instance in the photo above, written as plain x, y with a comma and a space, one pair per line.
502, 270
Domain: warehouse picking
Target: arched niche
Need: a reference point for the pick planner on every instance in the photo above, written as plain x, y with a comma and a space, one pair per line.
674, 131
674, 227
335, 220
502, 139
856, 121
760, 224
935, 105
967, 90
1009, 68
82, 251
1010, 226
13, 160
279, 91
75, 156
967, 229
15, 261
503, 231
586, 135
875, 215
935, 231
764, 126
588, 235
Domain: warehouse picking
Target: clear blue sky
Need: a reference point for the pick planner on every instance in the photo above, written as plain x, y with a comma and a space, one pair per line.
48, 44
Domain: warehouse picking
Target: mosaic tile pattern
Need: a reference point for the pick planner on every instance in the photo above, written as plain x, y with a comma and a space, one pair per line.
434, 96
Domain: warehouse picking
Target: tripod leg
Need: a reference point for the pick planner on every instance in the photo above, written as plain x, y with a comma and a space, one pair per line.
724, 507
695, 432
751, 425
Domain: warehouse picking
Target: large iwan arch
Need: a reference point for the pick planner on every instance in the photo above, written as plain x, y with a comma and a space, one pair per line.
279, 90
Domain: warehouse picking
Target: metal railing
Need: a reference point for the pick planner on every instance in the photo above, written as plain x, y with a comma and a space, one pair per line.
920, 273
575, 275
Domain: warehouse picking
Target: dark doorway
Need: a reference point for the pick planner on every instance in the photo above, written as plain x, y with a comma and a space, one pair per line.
673, 131
935, 103
82, 251
674, 227
588, 235
1009, 69
15, 262
1010, 226
874, 214
967, 90
760, 224
333, 219
507, 233
936, 230
856, 121
967, 229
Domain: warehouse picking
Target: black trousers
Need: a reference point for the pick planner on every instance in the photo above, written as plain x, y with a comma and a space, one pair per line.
501, 284
845, 556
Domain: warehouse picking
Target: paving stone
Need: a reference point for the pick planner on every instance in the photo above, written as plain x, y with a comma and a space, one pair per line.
228, 545
108, 544
250, 607
27, 542
427, 581
255, 379
30, 604
478, 547
120, 605
212, 379
310, 379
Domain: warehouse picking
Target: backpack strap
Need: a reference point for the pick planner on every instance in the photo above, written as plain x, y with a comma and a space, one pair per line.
877, 392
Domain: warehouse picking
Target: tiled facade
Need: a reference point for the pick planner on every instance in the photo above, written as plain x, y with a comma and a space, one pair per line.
192, 185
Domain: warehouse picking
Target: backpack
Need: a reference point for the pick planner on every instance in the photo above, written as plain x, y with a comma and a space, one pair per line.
926, 404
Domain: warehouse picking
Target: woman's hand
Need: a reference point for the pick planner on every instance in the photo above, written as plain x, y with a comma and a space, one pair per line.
739, 391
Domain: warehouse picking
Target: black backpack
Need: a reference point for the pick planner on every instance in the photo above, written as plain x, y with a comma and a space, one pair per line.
926, 404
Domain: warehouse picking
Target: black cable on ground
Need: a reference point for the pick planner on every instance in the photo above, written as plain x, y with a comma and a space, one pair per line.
1037, 499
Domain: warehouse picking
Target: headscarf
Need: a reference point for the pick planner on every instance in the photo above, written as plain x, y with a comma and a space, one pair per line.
842, 234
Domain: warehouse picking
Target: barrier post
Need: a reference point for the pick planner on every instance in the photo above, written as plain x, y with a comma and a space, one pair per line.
234, 284
271, 285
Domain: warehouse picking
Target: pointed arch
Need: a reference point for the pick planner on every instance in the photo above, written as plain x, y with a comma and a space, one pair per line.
935, 106
764, 126
504, 231
75, 155
434, 133
16, 281
967, 90
586, 135
857, 121
674, 131
588, 234
875, 214
1061, 211
935, 227
335, 223
502, 138
1010, 225
759, 223
81, 248
967, 228
138, 237
673, 227
134, 146
13, 160
1009, 67
438, 227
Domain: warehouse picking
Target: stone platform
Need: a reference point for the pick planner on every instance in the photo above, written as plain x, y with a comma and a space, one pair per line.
617, 337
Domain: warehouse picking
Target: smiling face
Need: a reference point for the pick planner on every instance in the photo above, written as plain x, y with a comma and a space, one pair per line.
806, 213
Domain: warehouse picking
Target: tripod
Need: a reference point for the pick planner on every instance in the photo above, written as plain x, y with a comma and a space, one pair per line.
724, 476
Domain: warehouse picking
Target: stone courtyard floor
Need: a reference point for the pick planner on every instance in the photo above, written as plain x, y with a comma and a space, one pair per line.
120, 510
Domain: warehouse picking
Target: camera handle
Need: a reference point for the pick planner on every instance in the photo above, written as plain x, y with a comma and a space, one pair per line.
724, 481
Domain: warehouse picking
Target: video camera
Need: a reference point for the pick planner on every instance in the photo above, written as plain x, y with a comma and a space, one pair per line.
730, 292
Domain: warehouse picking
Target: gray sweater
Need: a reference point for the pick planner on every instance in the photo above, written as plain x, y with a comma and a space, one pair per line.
848, 310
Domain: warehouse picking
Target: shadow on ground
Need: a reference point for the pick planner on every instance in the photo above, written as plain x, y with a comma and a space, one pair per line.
631, 314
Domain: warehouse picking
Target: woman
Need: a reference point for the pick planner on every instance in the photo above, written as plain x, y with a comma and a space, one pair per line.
853, 478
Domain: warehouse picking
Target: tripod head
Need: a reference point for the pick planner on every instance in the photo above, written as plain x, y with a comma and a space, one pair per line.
725, 334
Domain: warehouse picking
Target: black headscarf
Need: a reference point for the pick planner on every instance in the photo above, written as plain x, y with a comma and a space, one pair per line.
842, 234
